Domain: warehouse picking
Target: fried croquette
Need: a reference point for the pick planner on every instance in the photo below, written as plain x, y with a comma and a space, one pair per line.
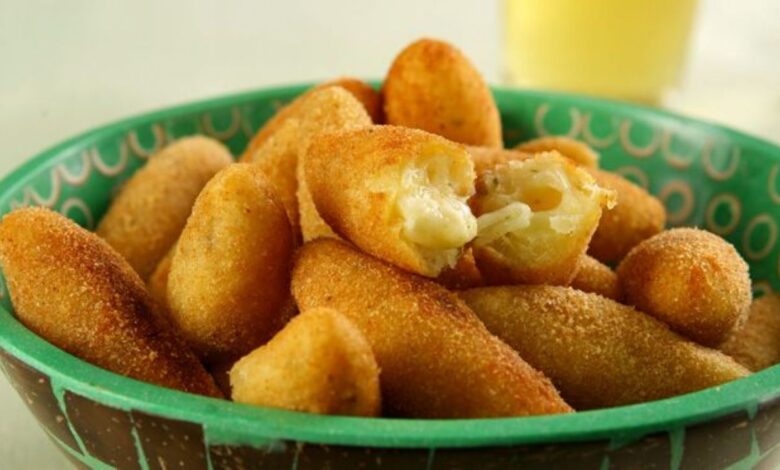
312, 225
146, 218
323, 110
597, 352
158, 281
637, 216
71, 288
693, 280
363, 92
487, 158
578, 152
756, 344
597, 278
229, 278
278, 159
436, 357
432, 86
319, 363
535, 219
398, 193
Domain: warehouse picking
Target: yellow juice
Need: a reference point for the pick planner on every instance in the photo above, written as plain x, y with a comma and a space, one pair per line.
625, 49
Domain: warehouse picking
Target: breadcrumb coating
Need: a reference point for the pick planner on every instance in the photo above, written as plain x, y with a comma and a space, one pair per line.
432, 86
278, 159
598, 352
693, 280
158, 281
579, 152
323, 110
756, 345
229, 277
597, 278
149, 213
436, 357
71, 288
319, 363
637, 216
363, 92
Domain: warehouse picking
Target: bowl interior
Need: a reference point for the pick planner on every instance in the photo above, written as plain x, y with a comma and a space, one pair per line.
706, 176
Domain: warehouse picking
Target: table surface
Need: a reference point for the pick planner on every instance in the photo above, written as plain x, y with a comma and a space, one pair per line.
77, 64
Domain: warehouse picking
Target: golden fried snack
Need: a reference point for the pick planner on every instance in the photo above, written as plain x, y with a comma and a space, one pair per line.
597, 278
158, 281
229, 279
756, 344
637, 216
535, 219
436, 357
323, 110
363, 92
398, 193
693, 280
147, 216
599, 353
319, 363
573, 149
312, 225
71, 288
487, 158
277, 157
432, 86
464, 275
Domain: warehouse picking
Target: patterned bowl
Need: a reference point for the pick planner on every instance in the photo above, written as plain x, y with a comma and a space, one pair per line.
706, 175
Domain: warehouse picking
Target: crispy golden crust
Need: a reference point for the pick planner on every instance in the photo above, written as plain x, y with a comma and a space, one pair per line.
312, 225
597, 278
598, 352
323, 110
487, 158
368, 97
432, 86
354, 178
229, 278
464, 275
71, 288
278, 159
577, 151
319, 363
559, 220
147, 216
363, 92
437, 359
158, 281
756, 345
693, 280
637, 216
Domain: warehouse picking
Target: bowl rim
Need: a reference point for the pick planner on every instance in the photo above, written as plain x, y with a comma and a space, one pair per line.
237, 423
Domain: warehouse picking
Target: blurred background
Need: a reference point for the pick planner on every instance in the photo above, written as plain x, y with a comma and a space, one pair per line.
70, 65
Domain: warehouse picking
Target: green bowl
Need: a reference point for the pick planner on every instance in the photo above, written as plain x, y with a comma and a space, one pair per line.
706, 175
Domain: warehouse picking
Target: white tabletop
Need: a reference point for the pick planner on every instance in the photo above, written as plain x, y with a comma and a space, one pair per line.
69, 66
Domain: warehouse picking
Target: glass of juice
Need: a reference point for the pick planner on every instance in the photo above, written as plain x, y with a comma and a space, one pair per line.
625, 49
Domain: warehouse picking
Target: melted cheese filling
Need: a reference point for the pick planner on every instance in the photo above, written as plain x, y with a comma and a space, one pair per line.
534, 199
433, 215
